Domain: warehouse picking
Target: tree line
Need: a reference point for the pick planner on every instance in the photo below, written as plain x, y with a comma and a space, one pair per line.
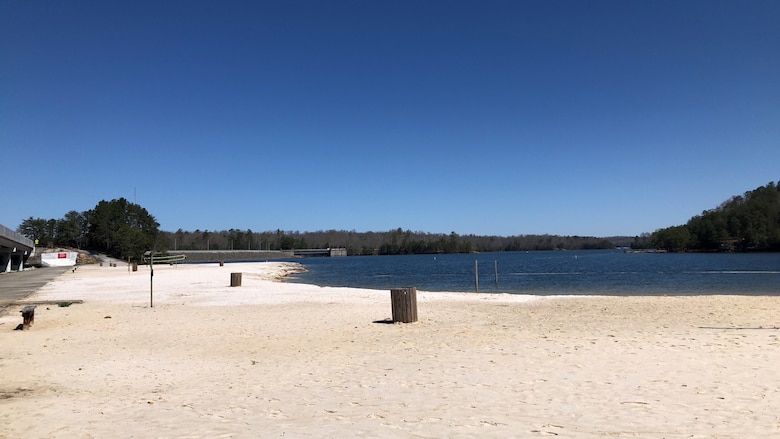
748, 222
126, 230
117, 228
392, 242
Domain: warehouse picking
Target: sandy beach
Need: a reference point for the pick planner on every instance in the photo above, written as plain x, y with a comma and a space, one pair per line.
275, 359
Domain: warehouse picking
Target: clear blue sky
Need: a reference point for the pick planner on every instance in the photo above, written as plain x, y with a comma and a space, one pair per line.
486, 117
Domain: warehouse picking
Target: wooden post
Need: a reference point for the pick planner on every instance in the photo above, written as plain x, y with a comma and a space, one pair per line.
28, 316
135, 266
235, 279
404, 303
495, 267
221, 263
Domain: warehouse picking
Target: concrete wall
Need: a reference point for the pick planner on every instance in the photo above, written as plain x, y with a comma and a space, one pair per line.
231, 255
59, 259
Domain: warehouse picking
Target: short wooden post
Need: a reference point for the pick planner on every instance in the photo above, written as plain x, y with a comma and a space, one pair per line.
135, 266
404, 302
235, 279
221, 263
28, 316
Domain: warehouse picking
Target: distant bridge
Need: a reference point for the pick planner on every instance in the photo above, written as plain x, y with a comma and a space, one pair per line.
15, 248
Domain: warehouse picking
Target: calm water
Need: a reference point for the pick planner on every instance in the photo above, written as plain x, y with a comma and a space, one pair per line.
556, 272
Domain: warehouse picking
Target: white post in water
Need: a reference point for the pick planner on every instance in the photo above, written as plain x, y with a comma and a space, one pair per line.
495, 267
476, 276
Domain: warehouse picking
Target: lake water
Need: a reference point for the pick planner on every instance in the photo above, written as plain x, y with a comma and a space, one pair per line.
592, 272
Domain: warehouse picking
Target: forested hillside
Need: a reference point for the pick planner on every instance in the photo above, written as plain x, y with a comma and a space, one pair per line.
118, 227
396, 241
749, 222
126, 230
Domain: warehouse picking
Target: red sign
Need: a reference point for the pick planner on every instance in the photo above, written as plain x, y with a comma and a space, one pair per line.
62, 256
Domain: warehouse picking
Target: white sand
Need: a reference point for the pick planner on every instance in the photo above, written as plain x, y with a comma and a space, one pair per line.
271, 359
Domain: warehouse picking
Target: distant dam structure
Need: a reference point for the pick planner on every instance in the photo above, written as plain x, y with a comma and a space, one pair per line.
330, 252
256, 255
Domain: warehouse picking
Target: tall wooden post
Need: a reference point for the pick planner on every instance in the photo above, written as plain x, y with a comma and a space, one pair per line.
404, 303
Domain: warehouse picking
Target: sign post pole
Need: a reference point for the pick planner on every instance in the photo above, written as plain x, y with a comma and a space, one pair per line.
151, 280
163, 258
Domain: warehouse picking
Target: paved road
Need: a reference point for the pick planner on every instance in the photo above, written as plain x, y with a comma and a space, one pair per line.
17, 285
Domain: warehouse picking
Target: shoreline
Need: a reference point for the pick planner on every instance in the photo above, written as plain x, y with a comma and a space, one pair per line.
277, 359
